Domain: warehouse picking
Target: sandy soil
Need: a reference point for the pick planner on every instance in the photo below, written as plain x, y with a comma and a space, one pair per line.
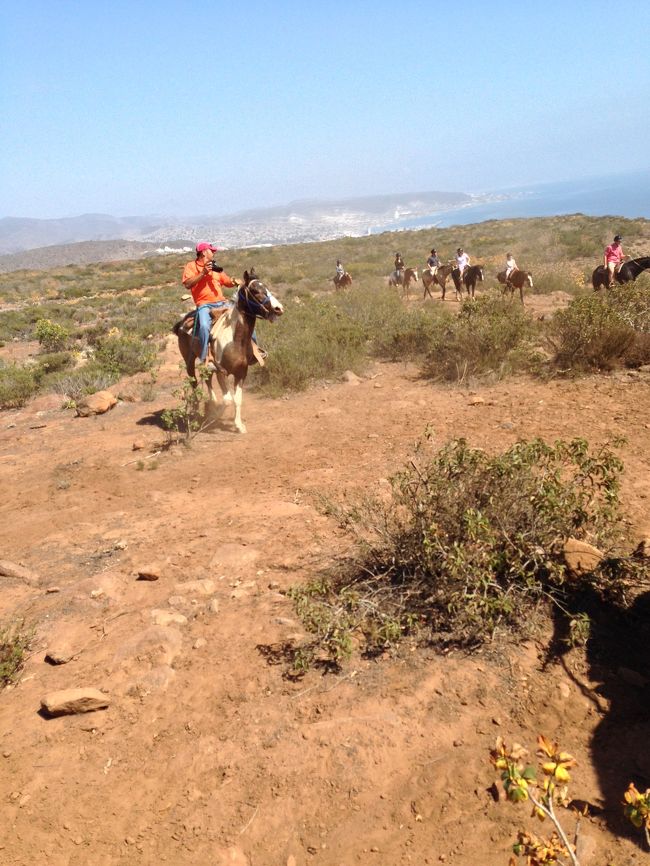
206, 754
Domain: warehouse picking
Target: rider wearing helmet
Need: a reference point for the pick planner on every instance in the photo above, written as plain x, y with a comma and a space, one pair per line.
613, 259
462, 260
433, 263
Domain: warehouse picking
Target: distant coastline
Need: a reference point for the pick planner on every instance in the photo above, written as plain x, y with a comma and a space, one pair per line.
616, 195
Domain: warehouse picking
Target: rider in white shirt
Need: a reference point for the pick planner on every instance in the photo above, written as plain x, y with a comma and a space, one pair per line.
462, 260
511, 265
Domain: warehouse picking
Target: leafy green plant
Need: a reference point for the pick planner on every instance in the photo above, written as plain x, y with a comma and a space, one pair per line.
124, 355
589, 333
52, 336
490, 334
521, 784
17, 384
469, 544
184, 421
637, 809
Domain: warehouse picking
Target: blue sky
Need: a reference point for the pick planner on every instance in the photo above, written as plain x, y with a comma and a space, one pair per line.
185, 108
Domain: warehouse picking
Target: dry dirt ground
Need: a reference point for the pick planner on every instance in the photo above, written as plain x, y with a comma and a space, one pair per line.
207, 755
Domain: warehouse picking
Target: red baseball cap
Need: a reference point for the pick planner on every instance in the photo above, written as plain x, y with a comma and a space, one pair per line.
203, 246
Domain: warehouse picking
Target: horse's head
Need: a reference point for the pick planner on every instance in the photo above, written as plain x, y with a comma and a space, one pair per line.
479, 272
529, 279
255, 299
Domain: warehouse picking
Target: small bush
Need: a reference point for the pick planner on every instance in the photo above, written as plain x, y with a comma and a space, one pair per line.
53, 362
490, 334
52, 336
85, 380
124, 356
17, 385
14, 642
590, 333
467, 544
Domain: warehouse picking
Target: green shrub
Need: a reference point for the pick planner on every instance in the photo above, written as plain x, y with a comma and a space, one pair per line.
14, 642
491, 334
312, 341
466, 545
124, 356
17, 385
52, 336
75, 384
590, 333
53, 362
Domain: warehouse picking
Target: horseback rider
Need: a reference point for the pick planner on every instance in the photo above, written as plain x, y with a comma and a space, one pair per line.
613, 259
462, 261
204, 278
433, 263
205, 283
511, 265
340, 271
399, 266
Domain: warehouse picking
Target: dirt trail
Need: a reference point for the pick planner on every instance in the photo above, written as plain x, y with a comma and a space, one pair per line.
206, 754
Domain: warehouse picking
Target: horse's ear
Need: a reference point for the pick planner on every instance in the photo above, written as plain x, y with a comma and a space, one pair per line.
247, 278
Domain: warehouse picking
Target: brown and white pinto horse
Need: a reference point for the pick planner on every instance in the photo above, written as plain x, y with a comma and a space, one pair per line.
231, 346
440, 278
517, 280
343, 281
403, 279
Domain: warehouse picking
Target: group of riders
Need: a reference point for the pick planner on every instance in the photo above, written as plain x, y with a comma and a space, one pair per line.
613, 260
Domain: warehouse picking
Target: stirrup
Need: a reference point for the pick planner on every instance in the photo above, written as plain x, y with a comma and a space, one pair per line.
260, 354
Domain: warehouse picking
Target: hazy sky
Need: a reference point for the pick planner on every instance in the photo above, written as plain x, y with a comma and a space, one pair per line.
181, 107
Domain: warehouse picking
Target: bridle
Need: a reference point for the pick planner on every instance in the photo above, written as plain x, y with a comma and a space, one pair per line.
249, 304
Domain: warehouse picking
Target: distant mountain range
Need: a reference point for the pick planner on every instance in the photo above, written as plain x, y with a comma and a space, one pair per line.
99, 237
299, 221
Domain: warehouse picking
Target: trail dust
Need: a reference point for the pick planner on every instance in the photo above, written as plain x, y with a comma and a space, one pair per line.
206, 754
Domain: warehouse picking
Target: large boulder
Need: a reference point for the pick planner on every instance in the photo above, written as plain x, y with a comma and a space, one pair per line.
68, 702
96, 404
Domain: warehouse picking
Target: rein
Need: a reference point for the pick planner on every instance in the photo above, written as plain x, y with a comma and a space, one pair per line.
251, 305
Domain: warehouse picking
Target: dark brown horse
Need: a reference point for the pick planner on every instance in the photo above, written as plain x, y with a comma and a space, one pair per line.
403, 279
343, 281
628, 272
439, 278
517, 280
231, 345
471, 275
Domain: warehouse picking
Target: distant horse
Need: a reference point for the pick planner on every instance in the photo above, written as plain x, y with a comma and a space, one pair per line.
231, 346
628, 272
403, 279
439, 279
472, 275
517, 280
341, 282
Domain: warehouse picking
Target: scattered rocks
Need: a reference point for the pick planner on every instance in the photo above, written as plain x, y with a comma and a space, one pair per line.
199, 643
52, 589
69, 702
186, 297
642, 550
138, 446
476, 401
350, 378
580, 556
96, 404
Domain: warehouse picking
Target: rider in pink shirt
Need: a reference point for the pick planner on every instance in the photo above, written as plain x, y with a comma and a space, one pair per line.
613, 259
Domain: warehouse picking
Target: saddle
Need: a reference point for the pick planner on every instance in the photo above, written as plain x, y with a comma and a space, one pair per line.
187, 322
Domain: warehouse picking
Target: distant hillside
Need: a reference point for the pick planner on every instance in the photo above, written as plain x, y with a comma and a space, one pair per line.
309, 220
83, 253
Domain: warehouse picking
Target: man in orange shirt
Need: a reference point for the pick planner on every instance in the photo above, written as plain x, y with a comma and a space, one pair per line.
205, 285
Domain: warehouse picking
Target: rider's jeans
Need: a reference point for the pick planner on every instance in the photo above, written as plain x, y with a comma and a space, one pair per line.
204, 325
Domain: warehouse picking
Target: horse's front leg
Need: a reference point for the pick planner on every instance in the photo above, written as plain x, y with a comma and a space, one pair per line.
239, 393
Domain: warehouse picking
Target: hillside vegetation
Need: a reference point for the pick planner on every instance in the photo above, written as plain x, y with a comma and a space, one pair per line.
110, 316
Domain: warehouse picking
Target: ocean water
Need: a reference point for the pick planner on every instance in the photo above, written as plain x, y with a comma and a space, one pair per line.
616, 195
